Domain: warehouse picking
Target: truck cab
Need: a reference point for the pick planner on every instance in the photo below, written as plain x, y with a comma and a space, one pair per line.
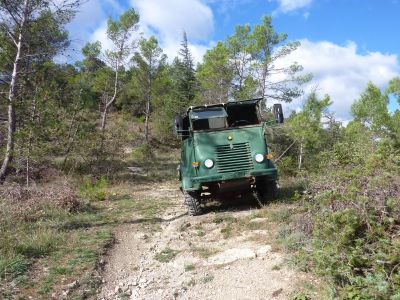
224, 151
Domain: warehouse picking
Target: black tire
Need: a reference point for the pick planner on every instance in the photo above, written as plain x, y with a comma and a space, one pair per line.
267, 190
192, 201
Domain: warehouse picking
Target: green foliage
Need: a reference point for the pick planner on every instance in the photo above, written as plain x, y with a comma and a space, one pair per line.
355, 209
371, 109
38, 244
12, 267
215, 75
207, 278
239, 67
190, 267
306, 137
394, 87
149, 77
184, 74
93, 190
166, 255
119, 32
299, 296
218, 219
143, 152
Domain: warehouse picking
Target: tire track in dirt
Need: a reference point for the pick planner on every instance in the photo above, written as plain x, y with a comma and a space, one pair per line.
197, 261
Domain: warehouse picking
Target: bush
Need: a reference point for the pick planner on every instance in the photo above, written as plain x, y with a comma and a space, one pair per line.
355, 217
142, 153
93, 190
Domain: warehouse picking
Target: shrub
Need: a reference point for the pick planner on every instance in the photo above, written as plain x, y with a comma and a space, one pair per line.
142, 153
93, 190
166, 255
354, 210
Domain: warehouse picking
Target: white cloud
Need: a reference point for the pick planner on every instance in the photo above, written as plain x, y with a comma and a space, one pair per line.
286, 6
171, 48
167, 20
342, 72
100, 34
171, 18
88, 23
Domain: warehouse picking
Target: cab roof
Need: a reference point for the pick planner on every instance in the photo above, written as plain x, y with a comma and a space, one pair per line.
214, 107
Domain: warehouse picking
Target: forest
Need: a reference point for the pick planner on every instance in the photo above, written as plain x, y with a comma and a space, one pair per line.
69, 132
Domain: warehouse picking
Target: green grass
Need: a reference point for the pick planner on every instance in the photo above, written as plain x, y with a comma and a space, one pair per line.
220, 218
207, 279
67, 244
166, 255
281, 215
93, 190
189, 267
200, 232
276, 267
13, 266
204, 252
226, 232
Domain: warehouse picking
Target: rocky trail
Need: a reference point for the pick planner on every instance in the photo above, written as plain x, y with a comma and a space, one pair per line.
227, 253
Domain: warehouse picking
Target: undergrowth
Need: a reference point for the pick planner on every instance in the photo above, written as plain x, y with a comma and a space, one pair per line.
347, 223
50, 238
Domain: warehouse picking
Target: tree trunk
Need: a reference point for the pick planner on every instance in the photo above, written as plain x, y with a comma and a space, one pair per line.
12, 96
72, 132
30, 142
301, 154
106, 107
146, 122
147, 113
103, 128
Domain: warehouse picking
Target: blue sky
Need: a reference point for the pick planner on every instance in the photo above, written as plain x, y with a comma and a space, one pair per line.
345, 43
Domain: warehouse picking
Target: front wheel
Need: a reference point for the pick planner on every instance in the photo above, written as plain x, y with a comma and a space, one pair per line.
192, 201
267, 190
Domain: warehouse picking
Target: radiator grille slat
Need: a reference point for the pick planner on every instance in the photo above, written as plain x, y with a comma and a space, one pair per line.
232, 158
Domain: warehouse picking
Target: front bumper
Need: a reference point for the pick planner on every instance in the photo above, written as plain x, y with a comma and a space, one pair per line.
196, 182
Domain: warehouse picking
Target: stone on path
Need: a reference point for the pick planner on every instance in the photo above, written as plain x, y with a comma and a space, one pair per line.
231, 255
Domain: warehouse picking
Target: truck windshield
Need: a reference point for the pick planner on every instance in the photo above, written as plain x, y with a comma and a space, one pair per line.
209, 118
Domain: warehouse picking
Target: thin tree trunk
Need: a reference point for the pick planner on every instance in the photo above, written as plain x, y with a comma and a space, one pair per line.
12, 96
106, 107
301, 154
30, 142
116, 81
146, 122
71, 131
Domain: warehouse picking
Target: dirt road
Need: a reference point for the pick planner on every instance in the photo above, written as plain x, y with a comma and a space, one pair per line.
227, 253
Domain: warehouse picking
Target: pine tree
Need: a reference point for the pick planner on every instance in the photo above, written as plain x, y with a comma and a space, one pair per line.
185, 74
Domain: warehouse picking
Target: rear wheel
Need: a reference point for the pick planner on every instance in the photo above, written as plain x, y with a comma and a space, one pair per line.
267, 190
192, 201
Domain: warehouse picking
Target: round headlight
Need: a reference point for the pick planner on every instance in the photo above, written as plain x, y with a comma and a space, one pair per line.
208, 163
259, 158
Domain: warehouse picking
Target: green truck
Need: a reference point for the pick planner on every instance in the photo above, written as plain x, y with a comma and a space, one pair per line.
224, 152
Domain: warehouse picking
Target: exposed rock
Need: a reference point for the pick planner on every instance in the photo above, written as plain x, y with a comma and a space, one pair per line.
258, 220
263, 251
73, 285
231, 255
141, 236
136, 170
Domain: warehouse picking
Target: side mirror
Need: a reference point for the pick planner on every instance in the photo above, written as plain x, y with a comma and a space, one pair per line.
178, 125
278, 113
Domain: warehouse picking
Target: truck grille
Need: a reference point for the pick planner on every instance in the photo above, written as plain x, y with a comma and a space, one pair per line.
232, 158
